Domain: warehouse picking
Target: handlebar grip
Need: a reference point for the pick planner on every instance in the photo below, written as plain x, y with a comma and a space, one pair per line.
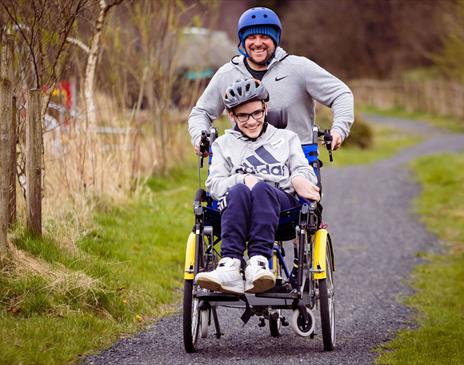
328, 143
204, 142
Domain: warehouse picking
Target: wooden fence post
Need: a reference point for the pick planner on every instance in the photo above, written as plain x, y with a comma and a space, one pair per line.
34, 148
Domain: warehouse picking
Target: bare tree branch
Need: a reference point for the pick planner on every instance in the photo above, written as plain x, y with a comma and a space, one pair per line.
79, 43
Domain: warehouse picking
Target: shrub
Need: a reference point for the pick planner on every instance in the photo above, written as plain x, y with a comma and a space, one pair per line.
360, 135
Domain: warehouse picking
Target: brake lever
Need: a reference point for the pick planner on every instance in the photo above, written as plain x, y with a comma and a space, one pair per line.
328, 143
204, 146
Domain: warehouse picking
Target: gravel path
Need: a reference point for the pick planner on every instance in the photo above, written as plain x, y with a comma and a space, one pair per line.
377, 238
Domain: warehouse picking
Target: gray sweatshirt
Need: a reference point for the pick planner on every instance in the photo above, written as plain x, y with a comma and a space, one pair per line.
275, 157
293, 83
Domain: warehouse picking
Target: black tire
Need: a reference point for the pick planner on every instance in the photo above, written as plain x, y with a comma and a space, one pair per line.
191, 317
275, 325
327, 303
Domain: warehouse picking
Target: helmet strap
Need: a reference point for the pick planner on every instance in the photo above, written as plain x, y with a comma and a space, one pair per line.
242, 51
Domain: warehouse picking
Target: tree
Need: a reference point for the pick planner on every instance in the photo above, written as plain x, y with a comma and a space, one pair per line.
93, 51
140, 55
450, 60
41, 28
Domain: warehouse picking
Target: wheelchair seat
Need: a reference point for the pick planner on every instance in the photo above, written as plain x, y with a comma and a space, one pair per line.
285, 231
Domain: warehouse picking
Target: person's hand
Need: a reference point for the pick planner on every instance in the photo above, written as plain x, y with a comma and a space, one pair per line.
305, 188
336, 140
250, 181
197, 150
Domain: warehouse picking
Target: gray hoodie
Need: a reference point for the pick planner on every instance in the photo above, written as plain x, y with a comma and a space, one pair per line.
275, 157
293, 83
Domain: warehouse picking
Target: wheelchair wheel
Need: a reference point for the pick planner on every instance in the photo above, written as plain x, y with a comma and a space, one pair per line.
275, 323
191, 317
327, 303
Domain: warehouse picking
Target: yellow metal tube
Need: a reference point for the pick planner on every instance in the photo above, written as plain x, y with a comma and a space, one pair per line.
319, 259
190, 257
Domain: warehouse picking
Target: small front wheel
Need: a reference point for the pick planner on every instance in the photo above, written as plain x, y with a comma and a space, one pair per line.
191, 317
301, 326
275, 323
204, 322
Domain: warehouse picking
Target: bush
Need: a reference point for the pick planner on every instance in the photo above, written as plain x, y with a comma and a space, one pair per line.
361, 135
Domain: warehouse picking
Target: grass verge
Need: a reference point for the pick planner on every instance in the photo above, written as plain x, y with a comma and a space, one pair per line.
386, 143
124, 274
453, 125
439, 283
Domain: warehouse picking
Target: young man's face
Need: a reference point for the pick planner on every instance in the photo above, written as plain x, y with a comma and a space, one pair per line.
249, 118
260, 48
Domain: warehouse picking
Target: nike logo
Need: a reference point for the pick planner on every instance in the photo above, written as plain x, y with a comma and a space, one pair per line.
280, 78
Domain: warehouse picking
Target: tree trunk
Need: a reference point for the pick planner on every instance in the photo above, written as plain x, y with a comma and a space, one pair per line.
7, 138
8, 73
89, 81
6, 94
34, 146
12, 168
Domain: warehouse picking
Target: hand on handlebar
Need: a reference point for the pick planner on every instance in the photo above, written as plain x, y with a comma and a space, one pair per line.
336, 140
197, 151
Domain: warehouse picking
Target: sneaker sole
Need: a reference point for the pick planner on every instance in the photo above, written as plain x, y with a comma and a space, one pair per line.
262, 284
206, 283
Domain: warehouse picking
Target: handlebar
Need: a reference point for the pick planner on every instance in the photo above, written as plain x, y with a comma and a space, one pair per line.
206, 140
327, 137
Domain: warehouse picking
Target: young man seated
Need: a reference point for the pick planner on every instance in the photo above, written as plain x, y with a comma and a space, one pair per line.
255, 172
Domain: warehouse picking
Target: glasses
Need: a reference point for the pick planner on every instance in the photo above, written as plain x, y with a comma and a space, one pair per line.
243, 117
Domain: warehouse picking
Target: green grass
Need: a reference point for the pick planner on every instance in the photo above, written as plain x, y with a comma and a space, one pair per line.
453, 125
135, 259
132, 261
439, 282
386, 143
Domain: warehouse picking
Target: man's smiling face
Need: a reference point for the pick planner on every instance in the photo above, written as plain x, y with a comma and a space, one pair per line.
260, 49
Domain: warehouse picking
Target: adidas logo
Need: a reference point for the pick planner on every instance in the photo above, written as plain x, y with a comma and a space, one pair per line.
262, 162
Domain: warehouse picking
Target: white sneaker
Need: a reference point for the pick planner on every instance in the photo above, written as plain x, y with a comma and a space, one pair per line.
227, 277
258, 277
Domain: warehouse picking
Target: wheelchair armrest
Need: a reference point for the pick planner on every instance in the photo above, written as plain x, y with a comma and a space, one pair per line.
309, 203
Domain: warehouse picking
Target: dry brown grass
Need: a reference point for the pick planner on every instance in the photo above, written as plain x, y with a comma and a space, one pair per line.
21, 264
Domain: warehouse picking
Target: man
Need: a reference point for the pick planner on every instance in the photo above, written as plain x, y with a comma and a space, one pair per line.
255, 172
293, 82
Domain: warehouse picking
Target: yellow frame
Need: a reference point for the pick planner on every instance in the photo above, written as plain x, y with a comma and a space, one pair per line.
320, 251
190, 257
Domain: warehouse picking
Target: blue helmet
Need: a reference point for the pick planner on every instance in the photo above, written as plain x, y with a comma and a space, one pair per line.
259, 21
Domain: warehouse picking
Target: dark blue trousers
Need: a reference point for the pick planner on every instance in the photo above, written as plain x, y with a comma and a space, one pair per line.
252, 216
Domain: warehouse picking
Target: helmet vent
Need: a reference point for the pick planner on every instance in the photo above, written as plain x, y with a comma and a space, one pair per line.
243, 91
265, 15
253, 16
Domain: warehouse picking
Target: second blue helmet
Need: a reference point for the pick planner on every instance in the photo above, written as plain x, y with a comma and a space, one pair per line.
259, 21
